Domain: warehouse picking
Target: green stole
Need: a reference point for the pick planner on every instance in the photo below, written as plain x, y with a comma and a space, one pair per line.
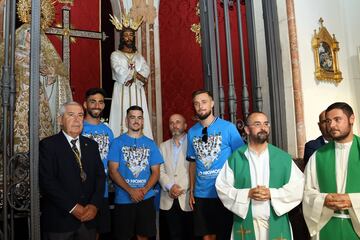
280, 170
338, 228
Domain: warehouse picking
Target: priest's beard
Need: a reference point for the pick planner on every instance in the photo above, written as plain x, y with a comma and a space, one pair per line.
204, 116
343, 134
261, 137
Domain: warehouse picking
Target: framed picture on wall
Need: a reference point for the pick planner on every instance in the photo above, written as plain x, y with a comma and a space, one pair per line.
325, 48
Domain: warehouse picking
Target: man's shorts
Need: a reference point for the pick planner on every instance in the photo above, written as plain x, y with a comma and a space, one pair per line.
103, 217
134, 219
211, 217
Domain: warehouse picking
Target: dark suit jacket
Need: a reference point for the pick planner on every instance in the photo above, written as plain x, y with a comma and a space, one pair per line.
60, 183
311, 147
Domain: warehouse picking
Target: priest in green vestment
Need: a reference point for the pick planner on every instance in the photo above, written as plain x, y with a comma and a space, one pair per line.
331, 203
260, 184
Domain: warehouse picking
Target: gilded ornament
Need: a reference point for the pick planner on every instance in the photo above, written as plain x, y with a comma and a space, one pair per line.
126, 22
325, 48
196, 27
47, 12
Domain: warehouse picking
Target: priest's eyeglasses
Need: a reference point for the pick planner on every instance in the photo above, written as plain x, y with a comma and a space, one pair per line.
204, 133
260, 124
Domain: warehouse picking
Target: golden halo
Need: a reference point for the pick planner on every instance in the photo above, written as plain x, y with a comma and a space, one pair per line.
47, 12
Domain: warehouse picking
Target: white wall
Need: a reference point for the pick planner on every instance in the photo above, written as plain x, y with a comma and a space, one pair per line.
340, 18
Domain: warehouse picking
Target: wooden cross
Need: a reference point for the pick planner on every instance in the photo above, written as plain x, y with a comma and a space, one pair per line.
66, 32
243, 232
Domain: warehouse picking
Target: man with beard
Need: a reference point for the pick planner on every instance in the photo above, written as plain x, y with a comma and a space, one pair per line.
130, 72
134, 165
260, 184
94, 104
175, 212
210, 142
332, 191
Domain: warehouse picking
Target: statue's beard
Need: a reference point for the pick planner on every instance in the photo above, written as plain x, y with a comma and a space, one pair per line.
130, 44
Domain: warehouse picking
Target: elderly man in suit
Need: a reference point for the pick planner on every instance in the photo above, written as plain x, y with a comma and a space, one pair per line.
174, 180
313, 145
72, 179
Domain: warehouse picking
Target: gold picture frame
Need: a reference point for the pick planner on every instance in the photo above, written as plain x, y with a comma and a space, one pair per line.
325, 48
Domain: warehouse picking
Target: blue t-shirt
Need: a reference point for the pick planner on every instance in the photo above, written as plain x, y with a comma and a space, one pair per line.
135, 157
223, 139
103, 135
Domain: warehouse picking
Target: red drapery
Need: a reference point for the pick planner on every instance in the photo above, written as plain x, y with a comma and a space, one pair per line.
181, 59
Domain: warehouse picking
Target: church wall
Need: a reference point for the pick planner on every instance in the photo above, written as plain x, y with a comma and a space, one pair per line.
340, 18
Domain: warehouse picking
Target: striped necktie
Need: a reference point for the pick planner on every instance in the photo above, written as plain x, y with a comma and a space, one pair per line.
78, 159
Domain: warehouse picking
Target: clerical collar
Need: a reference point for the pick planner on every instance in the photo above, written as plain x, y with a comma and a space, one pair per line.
343, 145
255, 152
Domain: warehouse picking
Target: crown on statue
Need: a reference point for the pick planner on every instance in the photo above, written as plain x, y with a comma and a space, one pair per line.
47, 12
126, 22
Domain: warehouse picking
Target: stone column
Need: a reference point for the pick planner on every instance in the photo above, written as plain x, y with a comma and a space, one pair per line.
296, 77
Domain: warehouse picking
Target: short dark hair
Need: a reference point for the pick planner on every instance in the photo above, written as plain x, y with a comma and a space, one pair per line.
201, 91
93, 91
343, 106
134, 108
250, 115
